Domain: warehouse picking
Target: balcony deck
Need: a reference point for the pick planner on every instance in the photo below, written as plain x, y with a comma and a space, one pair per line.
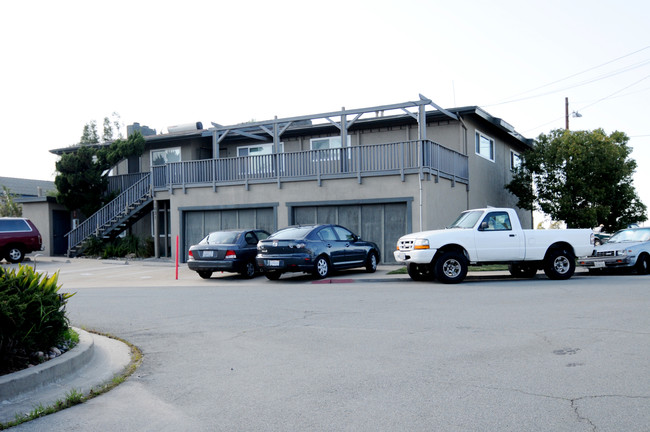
400, 158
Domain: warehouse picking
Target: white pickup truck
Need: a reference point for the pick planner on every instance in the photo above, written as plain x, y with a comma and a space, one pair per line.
491, 236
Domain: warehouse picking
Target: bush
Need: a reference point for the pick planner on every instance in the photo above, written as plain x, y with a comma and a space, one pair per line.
32, 315
119, 247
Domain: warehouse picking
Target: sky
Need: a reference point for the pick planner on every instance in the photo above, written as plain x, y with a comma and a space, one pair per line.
163, 63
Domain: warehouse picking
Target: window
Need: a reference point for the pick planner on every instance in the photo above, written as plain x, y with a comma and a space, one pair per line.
162, 157
261, 165
496, 221
329, 147
14, 225
484, 146
328, 143
344, 234
515, 160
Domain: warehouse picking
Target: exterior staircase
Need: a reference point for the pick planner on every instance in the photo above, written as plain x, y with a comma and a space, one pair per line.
114, 217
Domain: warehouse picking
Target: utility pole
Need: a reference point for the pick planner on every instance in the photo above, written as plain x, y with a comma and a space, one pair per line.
566, 113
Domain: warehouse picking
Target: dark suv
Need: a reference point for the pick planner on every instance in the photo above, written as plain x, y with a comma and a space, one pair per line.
18, 236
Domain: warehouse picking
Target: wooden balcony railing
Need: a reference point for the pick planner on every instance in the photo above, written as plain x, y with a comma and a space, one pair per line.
399, 158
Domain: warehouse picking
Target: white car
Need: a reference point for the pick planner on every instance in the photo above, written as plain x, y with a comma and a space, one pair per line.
628, 248
491, 236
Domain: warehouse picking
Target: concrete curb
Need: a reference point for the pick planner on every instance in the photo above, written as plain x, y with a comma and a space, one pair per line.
14, 384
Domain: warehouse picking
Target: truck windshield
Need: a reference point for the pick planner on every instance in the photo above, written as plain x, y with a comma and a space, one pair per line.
467, 219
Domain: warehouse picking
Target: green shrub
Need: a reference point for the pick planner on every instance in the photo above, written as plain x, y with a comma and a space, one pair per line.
32, 315
119, 247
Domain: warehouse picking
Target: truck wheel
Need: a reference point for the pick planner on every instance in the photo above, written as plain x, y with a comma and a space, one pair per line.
523, 270
559, 264
450, 267
420, 272
642, 265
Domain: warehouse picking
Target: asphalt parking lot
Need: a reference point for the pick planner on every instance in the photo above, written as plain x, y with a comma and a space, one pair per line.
362, 352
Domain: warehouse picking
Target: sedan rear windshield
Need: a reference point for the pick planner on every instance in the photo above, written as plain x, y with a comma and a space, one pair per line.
292, 233
221, 238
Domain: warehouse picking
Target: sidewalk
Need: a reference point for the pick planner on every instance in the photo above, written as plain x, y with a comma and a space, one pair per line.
93, 362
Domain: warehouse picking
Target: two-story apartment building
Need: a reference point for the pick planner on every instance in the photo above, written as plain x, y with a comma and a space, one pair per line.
380, 171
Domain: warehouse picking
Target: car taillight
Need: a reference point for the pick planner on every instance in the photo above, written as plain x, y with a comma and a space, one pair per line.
231, 254
190, 254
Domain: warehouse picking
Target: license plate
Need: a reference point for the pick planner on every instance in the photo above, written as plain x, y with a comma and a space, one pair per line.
273, 263
208, 254
599, 264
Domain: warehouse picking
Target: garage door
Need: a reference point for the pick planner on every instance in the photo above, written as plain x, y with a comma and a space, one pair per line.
199, 223
383, 224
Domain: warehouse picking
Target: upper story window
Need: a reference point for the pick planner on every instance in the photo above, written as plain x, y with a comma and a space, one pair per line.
515, 160
164, 156
484, 146
328, 143
257, 150
260, 165
329, 147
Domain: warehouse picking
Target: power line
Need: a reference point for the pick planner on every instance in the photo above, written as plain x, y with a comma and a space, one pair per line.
625, 69
616, 92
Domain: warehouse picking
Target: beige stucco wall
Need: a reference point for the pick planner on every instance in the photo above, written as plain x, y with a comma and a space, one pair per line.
40, 213
441, 201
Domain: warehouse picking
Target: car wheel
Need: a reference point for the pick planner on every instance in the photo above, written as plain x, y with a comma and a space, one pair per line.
559, 264
642, 265
273, 275
15, 254
451, 267
249, 270
522, 270
420, 272
371, 262
322, 267
205, 274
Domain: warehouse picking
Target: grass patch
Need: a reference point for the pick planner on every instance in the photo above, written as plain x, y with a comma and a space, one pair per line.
75, 397
488, 267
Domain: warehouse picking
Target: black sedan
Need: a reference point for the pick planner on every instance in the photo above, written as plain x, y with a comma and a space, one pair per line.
230, 251
316, 249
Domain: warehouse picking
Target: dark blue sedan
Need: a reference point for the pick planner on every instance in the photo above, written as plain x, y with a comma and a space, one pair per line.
315, 249
230, 251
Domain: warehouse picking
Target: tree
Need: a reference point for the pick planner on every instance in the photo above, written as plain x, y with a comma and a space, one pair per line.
9, 207
89, 135
82, 174
581, 177
112, 126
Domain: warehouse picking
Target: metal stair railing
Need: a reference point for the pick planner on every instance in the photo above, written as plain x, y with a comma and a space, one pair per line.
111, 213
